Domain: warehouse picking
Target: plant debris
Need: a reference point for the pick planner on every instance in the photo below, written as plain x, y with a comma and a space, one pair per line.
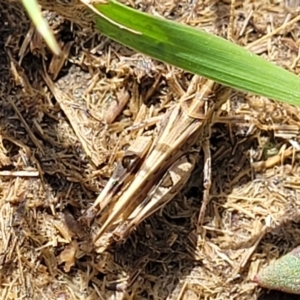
63, 127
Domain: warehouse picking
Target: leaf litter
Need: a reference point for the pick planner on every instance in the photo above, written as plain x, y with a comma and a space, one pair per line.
63, 128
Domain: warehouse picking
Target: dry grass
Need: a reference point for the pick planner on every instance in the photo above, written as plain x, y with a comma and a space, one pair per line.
62, 128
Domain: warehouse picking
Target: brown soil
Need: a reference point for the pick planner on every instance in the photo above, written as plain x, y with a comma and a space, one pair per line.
60, 133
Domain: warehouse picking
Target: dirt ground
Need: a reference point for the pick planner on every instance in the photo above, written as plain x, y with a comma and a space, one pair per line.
59, 139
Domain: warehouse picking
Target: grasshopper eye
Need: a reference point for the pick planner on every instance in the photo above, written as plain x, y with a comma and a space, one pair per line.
128, 161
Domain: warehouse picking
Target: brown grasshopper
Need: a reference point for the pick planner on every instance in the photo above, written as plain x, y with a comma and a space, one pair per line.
149, 177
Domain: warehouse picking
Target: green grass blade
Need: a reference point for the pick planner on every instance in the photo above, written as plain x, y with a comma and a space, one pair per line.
197, 52
41, 24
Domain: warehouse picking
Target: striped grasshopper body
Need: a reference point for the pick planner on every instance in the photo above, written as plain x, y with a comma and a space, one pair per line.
164, 167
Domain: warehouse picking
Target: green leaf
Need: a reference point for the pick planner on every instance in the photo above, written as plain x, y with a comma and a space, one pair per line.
283, 274
197, 52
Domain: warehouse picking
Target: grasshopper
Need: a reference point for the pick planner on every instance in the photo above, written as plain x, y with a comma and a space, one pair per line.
147, 179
